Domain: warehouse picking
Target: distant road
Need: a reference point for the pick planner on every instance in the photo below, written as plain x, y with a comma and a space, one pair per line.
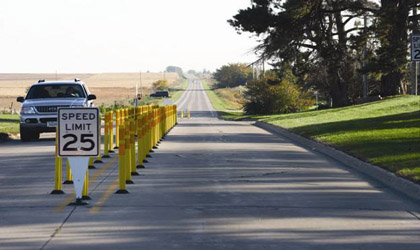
211, 184
196, 100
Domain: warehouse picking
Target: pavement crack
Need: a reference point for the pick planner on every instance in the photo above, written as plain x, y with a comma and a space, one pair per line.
414, 214
56, 231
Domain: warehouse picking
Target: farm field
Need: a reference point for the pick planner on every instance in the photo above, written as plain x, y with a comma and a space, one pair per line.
108, 87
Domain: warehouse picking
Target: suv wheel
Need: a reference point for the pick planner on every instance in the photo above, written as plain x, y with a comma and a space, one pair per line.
28, 134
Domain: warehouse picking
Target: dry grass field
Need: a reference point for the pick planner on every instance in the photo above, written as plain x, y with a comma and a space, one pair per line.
108, 87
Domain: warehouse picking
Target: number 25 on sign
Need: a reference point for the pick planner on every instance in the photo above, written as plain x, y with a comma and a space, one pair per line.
415, 47
78, 132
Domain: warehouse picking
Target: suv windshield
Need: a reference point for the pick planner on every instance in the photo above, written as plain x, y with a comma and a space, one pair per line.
56, 91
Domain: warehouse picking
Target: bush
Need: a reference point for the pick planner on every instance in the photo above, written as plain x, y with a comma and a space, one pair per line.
161, 85
271, 95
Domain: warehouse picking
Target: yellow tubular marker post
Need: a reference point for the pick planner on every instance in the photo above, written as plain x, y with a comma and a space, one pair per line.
152, 130
117, 128
133, 147
143, 138
85, 192
148, 132
90, 165
58, 188
106, 136
121, 161
111, 131
99, 158
69, 176
157, 126
127, 160
139, 143
155, 116
175, 112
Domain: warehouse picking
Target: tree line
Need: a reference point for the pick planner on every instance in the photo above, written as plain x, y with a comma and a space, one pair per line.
327, 45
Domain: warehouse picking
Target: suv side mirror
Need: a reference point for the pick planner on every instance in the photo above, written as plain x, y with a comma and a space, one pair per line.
91, 97
20, 99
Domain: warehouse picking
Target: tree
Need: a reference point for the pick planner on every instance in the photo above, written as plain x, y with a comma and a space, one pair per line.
392, 33
175, 69
296, 33
160, 85
233, 75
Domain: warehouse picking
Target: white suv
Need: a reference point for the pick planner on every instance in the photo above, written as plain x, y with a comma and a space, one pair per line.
39, 108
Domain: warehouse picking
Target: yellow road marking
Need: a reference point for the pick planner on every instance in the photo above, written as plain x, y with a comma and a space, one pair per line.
71, 197
102, 170
63, 204
110, 190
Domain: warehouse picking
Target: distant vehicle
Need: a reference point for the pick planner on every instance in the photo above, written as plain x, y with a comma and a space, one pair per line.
38, 113
160, 94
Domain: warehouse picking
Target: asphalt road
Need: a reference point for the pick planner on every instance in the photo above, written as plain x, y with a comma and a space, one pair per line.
211, 184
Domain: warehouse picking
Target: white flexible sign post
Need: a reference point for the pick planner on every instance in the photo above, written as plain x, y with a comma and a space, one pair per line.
78, 139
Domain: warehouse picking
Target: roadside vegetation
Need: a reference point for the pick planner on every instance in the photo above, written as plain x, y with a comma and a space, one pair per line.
9, 125
274, 94
330, 60
224, 99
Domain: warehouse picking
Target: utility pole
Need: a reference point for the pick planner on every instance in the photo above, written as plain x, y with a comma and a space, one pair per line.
414, 64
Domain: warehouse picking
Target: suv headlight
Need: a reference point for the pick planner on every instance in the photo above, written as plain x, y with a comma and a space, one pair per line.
27, 110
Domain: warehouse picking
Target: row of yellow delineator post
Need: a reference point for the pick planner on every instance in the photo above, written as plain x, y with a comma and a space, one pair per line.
142, 125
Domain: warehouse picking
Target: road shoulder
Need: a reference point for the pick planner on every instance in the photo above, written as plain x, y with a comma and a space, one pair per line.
389, 179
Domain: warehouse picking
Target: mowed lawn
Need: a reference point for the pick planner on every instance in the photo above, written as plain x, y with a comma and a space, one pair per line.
385, 133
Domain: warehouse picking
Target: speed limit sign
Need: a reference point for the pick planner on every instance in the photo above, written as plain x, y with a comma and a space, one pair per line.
78, 132
415, 47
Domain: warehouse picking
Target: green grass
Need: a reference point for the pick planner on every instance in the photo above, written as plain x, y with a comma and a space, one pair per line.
9, 124
218, 103
385, 133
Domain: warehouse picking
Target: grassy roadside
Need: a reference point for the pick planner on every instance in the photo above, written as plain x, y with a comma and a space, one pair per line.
220, 100
9, 124
385, 133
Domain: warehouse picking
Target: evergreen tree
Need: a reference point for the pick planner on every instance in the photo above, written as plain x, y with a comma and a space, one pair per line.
392, 55
317, 28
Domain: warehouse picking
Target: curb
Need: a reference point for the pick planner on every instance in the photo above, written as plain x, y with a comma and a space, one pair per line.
386, 178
